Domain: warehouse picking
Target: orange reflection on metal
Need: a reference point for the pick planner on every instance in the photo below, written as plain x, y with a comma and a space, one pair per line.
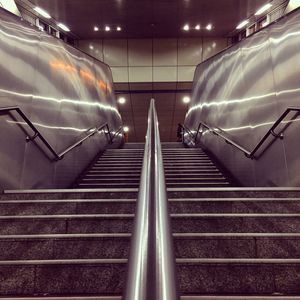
88, 76
85, 75
62, 66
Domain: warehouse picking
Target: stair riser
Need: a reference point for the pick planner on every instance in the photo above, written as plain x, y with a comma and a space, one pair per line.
122, 194
230, 193
230, 279
62, 279
45, 226
197, 185
236, 224
80, 248
237, 247
237, 279
114, 248
235, 207
180, 224
66, 208
9, 209
108, 185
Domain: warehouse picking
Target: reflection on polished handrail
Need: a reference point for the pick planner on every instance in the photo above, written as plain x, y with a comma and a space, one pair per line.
37, 133
151, 274
220, 133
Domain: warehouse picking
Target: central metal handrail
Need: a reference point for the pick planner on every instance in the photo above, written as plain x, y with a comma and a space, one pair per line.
37, 133
249, 154
151, 274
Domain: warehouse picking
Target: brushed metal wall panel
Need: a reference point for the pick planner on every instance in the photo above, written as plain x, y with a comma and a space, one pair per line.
64, 93
243, 90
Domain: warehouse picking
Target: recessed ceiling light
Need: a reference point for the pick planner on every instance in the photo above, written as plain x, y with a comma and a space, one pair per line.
63, 27
186, 27
209, 27
91, 47
263, 9
242, 24
107, 28
42, 12
186, 99
198, 27
119, 28
126, 128
96, 28
122, 100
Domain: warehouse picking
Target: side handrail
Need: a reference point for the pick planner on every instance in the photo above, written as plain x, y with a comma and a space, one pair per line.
249, 154
151, 273
37, 133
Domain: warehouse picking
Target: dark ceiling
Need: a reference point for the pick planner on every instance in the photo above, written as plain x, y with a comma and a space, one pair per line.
149, 18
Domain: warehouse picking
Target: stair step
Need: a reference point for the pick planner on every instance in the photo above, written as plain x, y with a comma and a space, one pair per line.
195, 180
72, 206
77, 223
111, 180
220, 297
196, 184
236, 222
116, 245
202, 276
235, 205
95, 185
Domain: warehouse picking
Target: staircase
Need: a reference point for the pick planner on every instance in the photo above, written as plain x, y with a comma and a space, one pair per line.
230, 243
190, 167
116, 168
71, 243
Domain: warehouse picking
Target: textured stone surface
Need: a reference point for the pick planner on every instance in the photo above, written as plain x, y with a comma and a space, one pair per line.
226, 279
235, 206
37, 208
16, 280
106, 208
64, 248
236, 224
91, 248
100, 225
32, 226
230, 193
215, 248
278, 248
26, 249
80, 279
287, 279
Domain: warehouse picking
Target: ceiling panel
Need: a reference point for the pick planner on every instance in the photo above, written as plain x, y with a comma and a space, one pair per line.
149, 18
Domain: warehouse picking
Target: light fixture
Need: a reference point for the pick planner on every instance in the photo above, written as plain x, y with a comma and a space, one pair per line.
42, 12
119, 28
186, 27
63, 27
263, 9
126, 128
209, 27
107, 28
198, 27
96, 28
122, 100
91, 47
242, 24
186, 99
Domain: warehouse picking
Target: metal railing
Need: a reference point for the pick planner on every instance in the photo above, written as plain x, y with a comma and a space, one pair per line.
151, 274
220, 133
37, 133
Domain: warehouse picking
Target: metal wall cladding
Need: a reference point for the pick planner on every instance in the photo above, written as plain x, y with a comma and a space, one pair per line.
243, 91
64, 92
